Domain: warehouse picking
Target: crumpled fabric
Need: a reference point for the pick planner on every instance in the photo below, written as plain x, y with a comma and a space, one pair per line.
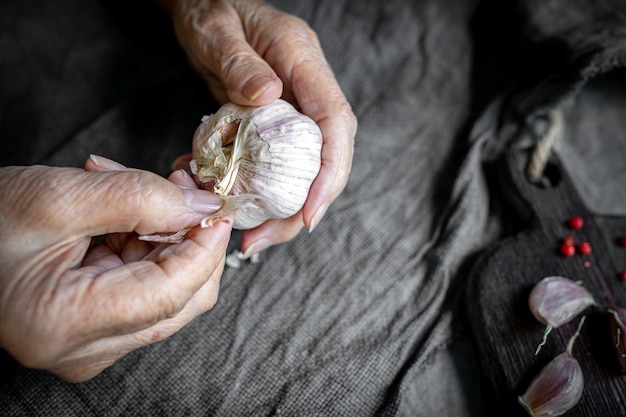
364, 316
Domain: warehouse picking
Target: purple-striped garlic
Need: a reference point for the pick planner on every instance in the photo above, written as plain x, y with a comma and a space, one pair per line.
556, 300
558, 386
260, 160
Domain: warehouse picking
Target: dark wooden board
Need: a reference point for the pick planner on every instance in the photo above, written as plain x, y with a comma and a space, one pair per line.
505, 331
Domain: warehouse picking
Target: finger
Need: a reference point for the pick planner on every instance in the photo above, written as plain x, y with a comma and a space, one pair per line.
95, 304
102, 258
134, 200
182, 178
312, 83
98, 163
338, 131
217, 45
272, 232
138, 295
86, 361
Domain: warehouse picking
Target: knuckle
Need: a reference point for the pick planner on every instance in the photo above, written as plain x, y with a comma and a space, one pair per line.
234, 64
348, 115
308, 38
132, 189
295, 24
172, 304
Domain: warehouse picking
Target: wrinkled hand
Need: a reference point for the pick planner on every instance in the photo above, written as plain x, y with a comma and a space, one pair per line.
73, 306
251, 54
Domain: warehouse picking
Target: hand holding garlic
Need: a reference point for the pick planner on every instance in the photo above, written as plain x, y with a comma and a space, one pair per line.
252, 54
72, 305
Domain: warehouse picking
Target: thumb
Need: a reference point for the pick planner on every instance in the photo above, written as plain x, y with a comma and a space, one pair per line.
216, 43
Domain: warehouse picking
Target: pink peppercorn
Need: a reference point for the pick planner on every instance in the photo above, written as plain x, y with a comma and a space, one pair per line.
585, 248
568, 250
576, 222
622, 240
622, 276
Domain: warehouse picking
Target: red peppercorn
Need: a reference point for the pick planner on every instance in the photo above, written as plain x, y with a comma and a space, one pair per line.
568, 250
622, 276
622, 240
585, 248
576, 222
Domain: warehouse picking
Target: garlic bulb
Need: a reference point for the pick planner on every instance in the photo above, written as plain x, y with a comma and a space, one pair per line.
261, 160
558, 386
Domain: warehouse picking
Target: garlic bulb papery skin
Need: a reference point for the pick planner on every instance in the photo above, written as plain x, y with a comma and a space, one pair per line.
558, 386
556, 300
271, 152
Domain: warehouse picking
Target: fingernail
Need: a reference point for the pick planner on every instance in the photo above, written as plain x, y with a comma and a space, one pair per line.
186, 182
202, 201
256, 86
106, 163
257, 247
317, 217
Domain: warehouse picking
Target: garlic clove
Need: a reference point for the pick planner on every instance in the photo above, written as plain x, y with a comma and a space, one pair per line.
558, 386
556, 389
556, 300
617, 324
271, 152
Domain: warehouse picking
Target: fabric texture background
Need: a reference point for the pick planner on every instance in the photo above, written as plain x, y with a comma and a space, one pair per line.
365, 315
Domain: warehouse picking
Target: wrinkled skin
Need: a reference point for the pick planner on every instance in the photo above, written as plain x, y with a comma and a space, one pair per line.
72, 305
251, 54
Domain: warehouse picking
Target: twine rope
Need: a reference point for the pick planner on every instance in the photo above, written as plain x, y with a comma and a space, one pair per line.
547, 142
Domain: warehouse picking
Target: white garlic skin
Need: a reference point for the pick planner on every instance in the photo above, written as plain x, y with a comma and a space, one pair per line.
556, 300
281, 156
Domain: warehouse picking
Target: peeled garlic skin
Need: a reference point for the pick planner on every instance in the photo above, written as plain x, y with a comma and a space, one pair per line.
556, 300
278, 157
556, 389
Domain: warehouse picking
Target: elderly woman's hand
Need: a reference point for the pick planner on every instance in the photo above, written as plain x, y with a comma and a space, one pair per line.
251, 54
73, 305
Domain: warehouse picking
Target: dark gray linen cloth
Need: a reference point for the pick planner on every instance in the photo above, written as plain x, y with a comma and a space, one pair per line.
365, 315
